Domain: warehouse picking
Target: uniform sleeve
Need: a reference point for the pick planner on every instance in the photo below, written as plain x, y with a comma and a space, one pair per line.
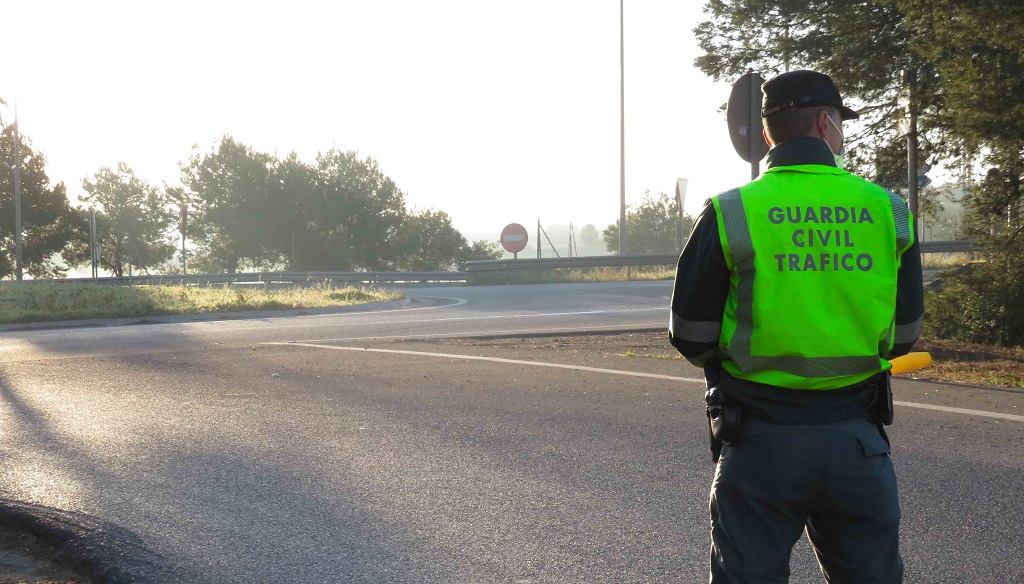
700, 292
909, 302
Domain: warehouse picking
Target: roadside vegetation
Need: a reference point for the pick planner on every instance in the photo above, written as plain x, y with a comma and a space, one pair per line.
569, 275
38, 302
952, 361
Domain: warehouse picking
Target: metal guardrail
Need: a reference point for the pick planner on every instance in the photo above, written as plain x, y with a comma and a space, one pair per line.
270, 278
476, 271
964, 245
611, 261
476, 267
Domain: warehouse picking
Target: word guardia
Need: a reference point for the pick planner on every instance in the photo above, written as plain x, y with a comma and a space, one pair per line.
807, 237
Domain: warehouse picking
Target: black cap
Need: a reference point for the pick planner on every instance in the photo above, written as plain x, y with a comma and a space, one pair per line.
802, 89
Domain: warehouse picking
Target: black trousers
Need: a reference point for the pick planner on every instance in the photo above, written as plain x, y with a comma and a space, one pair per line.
834, 481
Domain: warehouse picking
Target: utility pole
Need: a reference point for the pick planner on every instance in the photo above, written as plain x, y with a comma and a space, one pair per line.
622, 131
17, 195
93, 256
183, 223
538, 237
910, 86
912, 149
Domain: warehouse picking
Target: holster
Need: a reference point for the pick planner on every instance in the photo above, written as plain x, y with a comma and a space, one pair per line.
725, 416
883, 401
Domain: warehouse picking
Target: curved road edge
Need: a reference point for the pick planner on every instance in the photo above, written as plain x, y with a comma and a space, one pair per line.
89, 546
204, 317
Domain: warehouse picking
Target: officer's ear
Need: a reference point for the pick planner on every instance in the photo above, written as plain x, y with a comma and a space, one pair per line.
822, 124
767, 140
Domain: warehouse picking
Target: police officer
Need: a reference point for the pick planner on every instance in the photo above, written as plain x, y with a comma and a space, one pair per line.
791, 292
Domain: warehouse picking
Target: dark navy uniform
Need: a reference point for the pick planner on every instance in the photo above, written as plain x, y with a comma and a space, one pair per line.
814, 461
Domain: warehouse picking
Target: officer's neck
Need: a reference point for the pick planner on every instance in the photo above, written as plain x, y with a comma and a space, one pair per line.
803, 150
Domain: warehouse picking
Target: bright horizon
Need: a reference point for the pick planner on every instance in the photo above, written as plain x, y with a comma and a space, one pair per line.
493, 112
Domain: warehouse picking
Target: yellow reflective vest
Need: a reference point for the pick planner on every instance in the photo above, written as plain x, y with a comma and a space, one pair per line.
813, 253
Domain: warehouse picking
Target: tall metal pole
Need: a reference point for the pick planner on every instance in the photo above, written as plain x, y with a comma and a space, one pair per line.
92, 241
912, 148
755, 122
538, 237
17, 195
182, 226
622, 131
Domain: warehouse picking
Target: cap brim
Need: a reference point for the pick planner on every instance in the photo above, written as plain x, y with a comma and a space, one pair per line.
846, 113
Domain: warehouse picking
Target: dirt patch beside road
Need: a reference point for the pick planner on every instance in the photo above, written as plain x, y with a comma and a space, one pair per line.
25, 559
953, 361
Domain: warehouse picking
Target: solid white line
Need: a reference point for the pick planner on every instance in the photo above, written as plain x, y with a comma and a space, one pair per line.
497, 360
458, 302
639, 326
1011, 417
500, 316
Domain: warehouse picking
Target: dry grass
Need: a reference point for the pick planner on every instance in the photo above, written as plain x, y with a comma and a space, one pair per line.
569, 275
949, 260
952, 361
971, 363
34, 302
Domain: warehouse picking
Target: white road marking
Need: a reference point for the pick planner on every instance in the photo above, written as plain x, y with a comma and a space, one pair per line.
1011, 417
997, 415
458, 302
639, 326
496, 360
500, 316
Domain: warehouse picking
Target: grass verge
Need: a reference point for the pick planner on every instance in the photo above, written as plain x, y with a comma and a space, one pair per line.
35, 302
972, 363
952, 361
569, 275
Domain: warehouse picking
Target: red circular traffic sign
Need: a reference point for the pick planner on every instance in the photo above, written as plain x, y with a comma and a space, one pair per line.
514, 238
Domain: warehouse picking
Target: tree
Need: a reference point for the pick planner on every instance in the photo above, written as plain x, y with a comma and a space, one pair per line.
589, 235
430, 242
355, 214
652, 224
295, 235
235, 205
863, 44
980, 61
133, 219
966, 63
480, 250
48, 222
966, 68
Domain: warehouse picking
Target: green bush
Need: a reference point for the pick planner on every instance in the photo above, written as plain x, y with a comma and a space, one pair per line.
982, 305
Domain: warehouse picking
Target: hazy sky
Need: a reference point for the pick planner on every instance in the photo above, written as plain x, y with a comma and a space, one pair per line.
494, 111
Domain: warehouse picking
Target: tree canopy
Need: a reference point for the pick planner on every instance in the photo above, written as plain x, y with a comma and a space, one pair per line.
132, 220
48, 222
964, 61
340, 213
654, 227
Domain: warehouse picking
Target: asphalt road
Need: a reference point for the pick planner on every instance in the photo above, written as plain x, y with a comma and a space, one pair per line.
463, 437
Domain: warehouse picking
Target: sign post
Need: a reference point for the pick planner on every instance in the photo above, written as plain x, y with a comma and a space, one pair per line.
514, 238
680, 198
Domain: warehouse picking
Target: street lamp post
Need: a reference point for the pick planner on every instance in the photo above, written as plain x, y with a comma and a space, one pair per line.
17, 197
622, 132
93, 256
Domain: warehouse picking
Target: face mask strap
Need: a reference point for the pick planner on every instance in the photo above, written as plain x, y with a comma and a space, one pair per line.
841, 134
